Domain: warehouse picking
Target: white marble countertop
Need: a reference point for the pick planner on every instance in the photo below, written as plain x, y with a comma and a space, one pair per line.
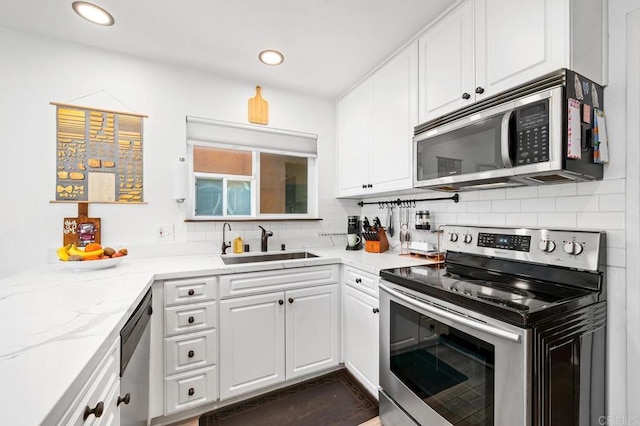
58, 323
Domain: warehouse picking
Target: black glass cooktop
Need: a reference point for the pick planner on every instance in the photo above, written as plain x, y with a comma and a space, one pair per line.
517, 300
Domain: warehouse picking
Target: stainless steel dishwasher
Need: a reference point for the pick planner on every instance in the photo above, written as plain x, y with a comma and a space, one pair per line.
134, 366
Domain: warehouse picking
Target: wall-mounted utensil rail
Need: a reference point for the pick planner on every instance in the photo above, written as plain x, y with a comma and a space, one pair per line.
411, 203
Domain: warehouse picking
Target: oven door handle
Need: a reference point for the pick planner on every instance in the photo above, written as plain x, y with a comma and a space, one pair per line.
495, 331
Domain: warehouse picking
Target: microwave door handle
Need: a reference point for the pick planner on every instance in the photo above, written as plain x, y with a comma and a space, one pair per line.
495, 331
505, 132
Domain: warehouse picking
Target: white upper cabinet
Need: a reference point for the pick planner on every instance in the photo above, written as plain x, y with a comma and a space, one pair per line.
446, 63
484, 47
375, 129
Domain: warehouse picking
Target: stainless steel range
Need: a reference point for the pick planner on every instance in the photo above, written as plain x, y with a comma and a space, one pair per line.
509, 331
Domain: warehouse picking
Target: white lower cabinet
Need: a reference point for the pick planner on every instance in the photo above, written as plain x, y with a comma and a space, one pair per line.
251, 343
190, 343
361, 336
97, 402
266, 339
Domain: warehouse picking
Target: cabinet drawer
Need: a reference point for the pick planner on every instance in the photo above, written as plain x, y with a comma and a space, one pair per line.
363, 281
282, 279
192, 290
189, 318
190, 389
190, 351
98, 389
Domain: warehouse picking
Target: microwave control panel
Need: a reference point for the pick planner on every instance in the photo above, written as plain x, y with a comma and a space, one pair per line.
532, 133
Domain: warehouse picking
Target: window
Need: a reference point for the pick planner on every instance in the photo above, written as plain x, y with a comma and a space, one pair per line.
241, 171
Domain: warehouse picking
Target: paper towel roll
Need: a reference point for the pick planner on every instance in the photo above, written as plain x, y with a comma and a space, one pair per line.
180, 181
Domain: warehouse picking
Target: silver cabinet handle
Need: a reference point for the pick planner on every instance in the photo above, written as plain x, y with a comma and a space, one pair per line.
495, 331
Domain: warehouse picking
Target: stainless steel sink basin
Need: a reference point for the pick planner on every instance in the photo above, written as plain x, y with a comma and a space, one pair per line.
232, 260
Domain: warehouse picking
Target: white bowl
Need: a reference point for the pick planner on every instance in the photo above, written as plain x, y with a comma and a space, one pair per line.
92, 265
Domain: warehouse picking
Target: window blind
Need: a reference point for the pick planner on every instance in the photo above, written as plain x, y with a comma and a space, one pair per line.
233, 135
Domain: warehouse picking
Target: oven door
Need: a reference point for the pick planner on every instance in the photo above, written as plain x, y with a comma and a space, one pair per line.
444, 365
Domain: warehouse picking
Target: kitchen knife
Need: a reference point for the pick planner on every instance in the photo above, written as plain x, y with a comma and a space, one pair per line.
365, 224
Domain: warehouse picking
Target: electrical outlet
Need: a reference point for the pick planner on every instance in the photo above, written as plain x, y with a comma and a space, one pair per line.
164, 232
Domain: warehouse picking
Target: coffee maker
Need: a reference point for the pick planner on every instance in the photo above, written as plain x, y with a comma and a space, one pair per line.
354, 230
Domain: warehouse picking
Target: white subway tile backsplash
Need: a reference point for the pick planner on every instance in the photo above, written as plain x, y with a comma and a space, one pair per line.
611, 202
557, 220
613, 186
456, 207
205, 226
522, 192
468, 219
561, 190
522, 219
492, 219
576, 204
616, 238
603, 220
492, 194
196, 236
616, 257
469, 196
505, 206
479, 207
538, 205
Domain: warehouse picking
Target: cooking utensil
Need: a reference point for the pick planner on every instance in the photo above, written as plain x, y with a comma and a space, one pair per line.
258, 108
376, 223
365, 224
390, 221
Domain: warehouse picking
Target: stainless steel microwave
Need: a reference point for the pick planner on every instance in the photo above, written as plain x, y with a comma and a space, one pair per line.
515, 138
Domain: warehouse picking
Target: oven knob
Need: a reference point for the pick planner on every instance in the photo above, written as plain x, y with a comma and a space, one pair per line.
453, 237
467, 238
571, 247
547, 246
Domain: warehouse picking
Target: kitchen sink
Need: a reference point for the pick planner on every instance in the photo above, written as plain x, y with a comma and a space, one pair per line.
232, 260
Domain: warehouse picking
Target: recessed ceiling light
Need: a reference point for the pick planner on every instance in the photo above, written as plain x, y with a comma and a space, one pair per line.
271, 57
93, 13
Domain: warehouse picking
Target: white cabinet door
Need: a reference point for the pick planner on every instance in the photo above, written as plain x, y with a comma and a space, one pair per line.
519, 40
375, 129
251, 343
312, 330
394, 114
361, 337
446, 67
352, 142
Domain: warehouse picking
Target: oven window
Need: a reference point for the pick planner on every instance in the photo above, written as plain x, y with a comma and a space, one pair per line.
451, 371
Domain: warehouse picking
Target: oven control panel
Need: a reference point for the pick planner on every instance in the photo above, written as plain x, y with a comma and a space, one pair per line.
566, 248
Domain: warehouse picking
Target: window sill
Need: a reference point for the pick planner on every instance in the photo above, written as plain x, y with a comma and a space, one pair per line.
255, 219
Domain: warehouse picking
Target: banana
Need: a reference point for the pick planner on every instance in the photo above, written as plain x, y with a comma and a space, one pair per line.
73, 250
63, 252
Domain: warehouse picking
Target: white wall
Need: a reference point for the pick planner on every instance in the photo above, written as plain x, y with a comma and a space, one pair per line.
36, 71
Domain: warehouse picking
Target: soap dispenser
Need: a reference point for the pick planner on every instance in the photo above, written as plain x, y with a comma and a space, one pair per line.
238, 245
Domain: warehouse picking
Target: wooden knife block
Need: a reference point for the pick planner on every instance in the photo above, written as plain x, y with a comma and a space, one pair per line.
377, 246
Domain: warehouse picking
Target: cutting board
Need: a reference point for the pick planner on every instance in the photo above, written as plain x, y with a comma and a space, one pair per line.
258, 108
81, 230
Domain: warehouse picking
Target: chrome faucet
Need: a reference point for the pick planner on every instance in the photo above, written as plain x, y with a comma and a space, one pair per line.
225, 246
265, 238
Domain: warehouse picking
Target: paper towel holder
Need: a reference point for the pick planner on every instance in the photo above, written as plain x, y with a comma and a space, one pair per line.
180, 181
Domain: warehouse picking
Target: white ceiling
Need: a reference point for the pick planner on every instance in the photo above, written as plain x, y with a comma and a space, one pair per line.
328, 44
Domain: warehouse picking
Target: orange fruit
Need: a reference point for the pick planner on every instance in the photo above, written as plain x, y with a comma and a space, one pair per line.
92, 258
92, 247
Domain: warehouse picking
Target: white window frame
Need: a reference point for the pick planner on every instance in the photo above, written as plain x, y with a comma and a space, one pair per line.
215, 134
